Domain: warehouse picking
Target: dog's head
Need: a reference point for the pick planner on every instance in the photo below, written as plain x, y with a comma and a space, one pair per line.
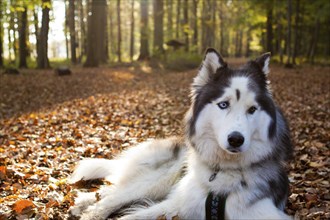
232, 110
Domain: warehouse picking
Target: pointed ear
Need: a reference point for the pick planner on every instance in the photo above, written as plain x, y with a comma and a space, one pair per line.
263, 62
212, 61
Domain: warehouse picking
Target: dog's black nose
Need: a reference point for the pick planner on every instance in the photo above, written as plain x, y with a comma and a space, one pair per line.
235, 139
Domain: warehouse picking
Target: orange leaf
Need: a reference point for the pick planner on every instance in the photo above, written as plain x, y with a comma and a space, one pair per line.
3, 172
23, 206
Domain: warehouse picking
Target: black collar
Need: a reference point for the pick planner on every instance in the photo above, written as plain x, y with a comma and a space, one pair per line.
215, 206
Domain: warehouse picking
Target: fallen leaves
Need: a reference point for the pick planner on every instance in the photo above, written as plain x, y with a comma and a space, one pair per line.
48, 123
23, 206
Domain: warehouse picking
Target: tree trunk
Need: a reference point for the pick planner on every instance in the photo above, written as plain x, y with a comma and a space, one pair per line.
96, 33
10, 45
112, 48
248, 40
296, 33
131, 49
207, 29
23, 50
119, 31
12, 26
144, 49
66, 25
222, 35
186, 25
1, 36
195, 19
314, 41
269, 28
158, 27
288, 41
82, 43
170, 19
72, 29
178, 10
42, 47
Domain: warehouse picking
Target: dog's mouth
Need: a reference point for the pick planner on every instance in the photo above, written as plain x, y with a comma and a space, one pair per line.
234, 150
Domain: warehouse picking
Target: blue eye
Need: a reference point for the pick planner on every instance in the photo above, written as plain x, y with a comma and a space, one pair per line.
223, 105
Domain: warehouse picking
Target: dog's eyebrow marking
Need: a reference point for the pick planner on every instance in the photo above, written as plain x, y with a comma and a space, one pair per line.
238, 94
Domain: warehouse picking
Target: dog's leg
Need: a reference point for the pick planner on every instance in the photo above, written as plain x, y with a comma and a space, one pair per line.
154, 185
186, 201
82, 202
263, 209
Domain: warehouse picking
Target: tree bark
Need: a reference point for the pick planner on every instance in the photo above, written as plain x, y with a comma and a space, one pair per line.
23, 50
72, 29
288, 41
178, 12
144, 49
170, 19
82, 31
158, 9
186, 24
1, 36
269, 27
195, 19
42, 47
222, 35
131, 49
296, 32
119, 31
66, 25
314, 41
96, 34
207, 32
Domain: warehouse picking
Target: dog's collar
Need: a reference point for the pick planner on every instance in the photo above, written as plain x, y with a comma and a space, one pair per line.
215, 206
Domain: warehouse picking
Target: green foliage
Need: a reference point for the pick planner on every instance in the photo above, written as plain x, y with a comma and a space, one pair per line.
180, 60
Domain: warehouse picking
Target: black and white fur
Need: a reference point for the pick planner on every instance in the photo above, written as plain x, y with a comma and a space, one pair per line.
234, 134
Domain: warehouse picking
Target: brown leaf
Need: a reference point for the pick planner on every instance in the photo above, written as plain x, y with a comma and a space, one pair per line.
23, 206
3, 172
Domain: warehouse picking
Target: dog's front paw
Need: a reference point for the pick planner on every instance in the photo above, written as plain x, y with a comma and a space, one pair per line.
94, 213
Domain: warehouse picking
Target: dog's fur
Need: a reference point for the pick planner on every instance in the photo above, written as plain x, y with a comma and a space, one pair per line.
237, 143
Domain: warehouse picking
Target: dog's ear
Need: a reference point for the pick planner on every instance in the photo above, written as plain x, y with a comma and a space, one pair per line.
212, 61
263, 62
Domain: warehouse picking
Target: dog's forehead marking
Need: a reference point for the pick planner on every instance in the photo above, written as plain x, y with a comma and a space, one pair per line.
238, 90
239, 85
238, 94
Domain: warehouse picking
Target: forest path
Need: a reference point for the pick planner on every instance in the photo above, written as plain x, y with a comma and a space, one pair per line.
48, 123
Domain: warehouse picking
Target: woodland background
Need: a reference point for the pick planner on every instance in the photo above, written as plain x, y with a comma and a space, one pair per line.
89, 78
100, 31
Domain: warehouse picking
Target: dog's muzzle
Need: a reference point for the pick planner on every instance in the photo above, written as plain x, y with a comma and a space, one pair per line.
235, 140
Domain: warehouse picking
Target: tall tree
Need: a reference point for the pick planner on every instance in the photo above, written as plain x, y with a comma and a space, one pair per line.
195, 25
178, 17
23, 50
119, 31
1, 35
207, 29
131, 49
288, 41
42, 47
186, 25
158, 9
269, 25
144, 48
169, 19
72, 28
66, 32
96, 33
82, 25
296, 32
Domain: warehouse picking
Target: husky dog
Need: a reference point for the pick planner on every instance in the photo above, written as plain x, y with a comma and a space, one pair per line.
230, 165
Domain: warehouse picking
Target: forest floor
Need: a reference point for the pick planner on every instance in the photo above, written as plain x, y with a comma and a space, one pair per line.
48, 123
